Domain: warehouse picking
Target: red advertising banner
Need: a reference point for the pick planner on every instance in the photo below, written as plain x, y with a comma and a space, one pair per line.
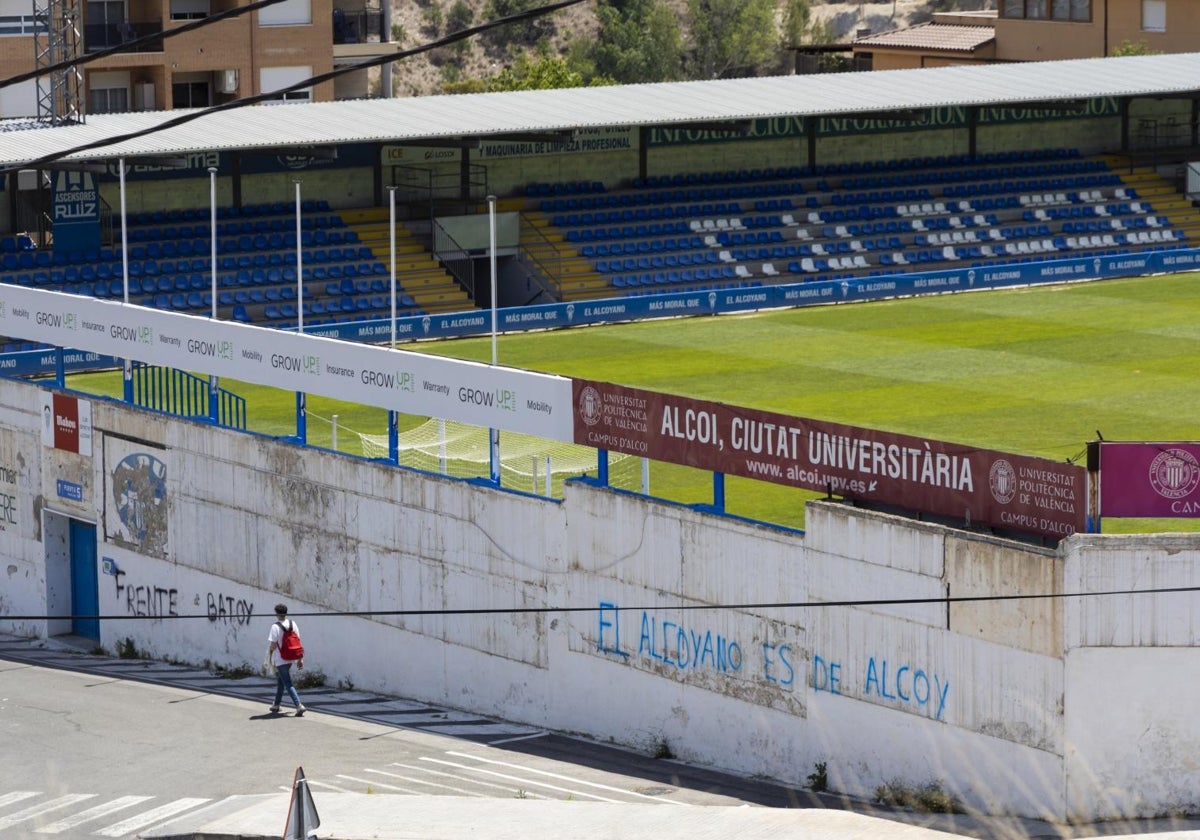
1149, 479
1015, 492
66, 423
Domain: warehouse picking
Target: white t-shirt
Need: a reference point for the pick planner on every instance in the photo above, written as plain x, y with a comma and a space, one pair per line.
276, 636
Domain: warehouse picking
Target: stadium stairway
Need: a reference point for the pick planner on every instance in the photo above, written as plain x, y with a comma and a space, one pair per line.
417, 271
1158, 190
577, 278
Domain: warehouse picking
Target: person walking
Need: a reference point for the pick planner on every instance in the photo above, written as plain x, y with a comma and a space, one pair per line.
283, 647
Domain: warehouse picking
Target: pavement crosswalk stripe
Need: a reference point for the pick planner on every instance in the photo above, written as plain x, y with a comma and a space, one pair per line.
45, 807
525, 735
508, 789
93, 814
520, 780
16, 796
147, 818
313, 783
423, 782
561, 777
393, 788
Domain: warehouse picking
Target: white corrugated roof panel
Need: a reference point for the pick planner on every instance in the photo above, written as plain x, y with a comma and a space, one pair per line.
479, 115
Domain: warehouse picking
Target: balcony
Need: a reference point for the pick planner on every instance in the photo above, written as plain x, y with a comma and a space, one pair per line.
357, 26
102, 36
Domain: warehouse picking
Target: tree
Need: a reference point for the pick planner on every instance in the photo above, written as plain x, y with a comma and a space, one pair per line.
796, 17
460, 16
732, 37
638, 41
546, 73
528, 32
1134, 48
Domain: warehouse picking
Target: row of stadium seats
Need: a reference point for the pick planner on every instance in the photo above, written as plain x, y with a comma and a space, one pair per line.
157, 240
162, 217
336, 261
319, 247
653, 204
276, 306
327, 227
854, 167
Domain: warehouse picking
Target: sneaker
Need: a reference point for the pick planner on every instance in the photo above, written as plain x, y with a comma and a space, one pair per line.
300, 710
274, 710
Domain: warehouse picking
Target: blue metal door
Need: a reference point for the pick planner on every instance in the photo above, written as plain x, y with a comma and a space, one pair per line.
85, 592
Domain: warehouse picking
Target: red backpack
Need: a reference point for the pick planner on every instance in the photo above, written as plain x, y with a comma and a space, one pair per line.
290, 648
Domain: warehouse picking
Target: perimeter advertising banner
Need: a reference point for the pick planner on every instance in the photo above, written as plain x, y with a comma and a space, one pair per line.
1147, 479
66, 423
468, 392
76, 210
1015, 492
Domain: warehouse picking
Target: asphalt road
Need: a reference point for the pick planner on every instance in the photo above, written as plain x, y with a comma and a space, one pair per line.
97, 746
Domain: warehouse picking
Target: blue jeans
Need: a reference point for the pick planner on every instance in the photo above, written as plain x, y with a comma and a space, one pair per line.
283, 682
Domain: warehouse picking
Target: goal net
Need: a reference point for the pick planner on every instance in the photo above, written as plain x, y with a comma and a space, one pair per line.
462, 451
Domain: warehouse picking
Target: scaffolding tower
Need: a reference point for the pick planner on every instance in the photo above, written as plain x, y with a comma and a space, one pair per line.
56, 42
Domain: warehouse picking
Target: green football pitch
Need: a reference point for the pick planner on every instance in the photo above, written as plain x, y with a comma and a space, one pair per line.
1035, 371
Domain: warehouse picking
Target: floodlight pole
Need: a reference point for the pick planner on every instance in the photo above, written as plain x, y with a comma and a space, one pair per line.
493, 434
301, 401
212, 223
127, 367
393, 417
214, 382
299, 264
491, 200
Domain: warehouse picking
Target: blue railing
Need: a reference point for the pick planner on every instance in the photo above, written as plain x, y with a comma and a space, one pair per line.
186, 395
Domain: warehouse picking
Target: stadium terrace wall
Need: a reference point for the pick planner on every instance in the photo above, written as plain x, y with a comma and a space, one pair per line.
1061, 708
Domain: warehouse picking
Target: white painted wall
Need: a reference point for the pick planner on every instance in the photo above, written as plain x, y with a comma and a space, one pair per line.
1048, 708
1131, 666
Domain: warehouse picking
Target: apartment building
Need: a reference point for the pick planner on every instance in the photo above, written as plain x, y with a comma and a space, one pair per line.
1036, 30
255, 53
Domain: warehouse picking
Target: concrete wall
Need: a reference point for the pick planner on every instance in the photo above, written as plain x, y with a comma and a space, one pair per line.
1130, 660
624, 630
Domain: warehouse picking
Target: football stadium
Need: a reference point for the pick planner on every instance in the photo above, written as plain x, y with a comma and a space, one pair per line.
554, 541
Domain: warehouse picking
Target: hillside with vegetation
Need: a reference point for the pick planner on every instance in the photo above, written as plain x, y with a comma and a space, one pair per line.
631, 41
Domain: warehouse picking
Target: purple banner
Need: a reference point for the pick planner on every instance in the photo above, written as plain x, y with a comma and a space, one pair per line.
1147, 479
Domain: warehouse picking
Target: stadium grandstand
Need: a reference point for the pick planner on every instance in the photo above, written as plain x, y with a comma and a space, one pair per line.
601, 192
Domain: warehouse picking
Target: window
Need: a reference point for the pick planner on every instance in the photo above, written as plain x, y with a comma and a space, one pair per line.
286, 13
189, 9
108, 100
16, 18
108, 91
275, 78
105, 24
1076, 10
190, 94
1154, 15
